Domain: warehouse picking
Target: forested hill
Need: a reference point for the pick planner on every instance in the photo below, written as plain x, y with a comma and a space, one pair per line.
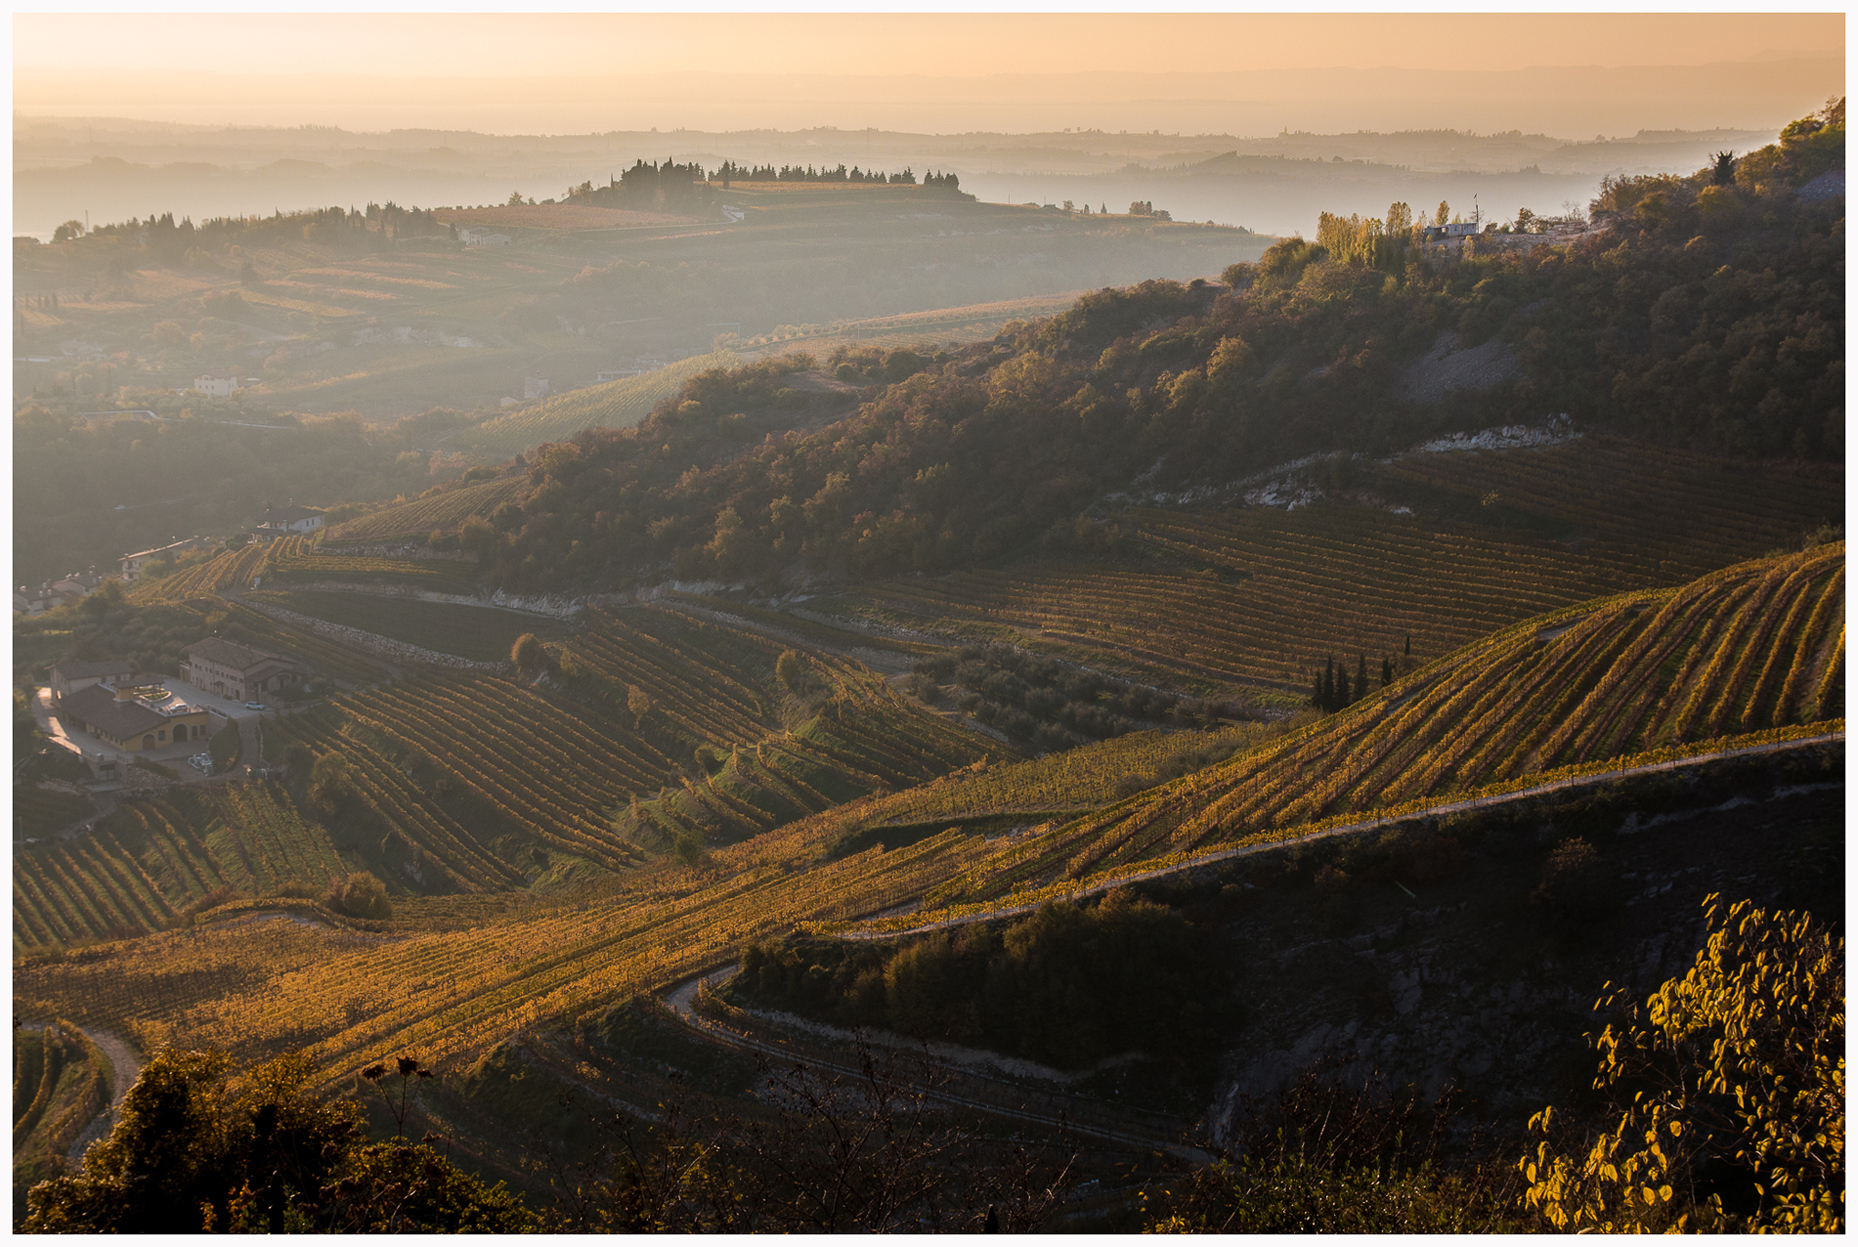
1708, 311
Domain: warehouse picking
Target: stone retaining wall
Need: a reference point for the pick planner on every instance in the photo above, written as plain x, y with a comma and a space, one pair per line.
374, 643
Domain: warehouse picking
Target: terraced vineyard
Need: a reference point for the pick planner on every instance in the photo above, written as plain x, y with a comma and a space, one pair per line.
612, 405
153, 857
267, 985
422, 516
296, 560
1260, 597
60, 1084
1757, 644
1755, 647
480, 633
230, 569
268, 633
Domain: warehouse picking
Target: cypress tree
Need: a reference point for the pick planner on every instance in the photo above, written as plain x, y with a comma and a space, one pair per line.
1361, 676
1342, 697
1409, 647
1386, 671
1328, 703
1316, 692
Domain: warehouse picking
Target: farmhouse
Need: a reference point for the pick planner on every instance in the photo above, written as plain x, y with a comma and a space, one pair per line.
228, 669
69, 677
135, 719
291, 520
475, 237
217, 382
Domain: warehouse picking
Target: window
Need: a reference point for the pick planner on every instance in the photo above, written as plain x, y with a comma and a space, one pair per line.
162, 734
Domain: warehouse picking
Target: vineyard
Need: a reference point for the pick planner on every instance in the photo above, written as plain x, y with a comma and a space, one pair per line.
60, 1084
38, 812
1751, 646
1754, 647
612, 404
422, 516
296, 560
152, 858
480, 633
229, 569
1261, 597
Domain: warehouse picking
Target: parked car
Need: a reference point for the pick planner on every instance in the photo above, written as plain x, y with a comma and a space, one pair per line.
254, 705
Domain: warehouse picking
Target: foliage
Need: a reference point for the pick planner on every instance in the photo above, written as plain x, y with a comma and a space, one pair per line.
62, 461
1328, 1157
225, 748
438, 509
197, 1149
1736, 1077
1647, 328
360, 895
835, 1152
1067, 985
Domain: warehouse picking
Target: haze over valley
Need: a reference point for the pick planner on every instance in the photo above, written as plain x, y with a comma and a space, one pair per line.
1162, 623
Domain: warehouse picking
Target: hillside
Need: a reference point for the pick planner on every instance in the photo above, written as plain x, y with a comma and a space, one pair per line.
1730, 658
957, 459
1352, 664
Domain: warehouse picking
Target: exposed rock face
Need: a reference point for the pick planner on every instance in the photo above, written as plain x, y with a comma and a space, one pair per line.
1451, 366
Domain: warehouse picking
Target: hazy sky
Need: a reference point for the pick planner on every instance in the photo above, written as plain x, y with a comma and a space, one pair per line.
579, 72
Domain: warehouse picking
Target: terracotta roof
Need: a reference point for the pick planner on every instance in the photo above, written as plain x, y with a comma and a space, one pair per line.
101, 709
241, 658
86, 670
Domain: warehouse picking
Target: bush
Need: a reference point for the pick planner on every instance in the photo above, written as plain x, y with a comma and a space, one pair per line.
360, 895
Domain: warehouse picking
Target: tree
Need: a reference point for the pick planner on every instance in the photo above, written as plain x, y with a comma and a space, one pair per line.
790, 669
639, 702
168, 333
527, 653
1726, 1091
1361, 676
360, 895
1386, 671
1443, 214
515, 200
329, 782
1722, 168
69, 230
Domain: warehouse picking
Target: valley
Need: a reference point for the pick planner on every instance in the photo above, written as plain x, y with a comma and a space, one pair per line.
1048, 696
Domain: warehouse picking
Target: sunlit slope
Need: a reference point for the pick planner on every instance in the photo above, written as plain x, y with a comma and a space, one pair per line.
1753, 647
422, 516
1261, 596
612, 405
154, 857
1747, 647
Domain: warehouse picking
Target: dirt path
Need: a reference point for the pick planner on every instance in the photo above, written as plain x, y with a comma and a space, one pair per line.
1355, 829
683, 1000
125, 1066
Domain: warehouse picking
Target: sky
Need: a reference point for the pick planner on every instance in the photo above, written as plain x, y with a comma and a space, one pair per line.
935, 72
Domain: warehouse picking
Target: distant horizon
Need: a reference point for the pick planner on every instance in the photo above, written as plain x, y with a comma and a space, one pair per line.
1248, 75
